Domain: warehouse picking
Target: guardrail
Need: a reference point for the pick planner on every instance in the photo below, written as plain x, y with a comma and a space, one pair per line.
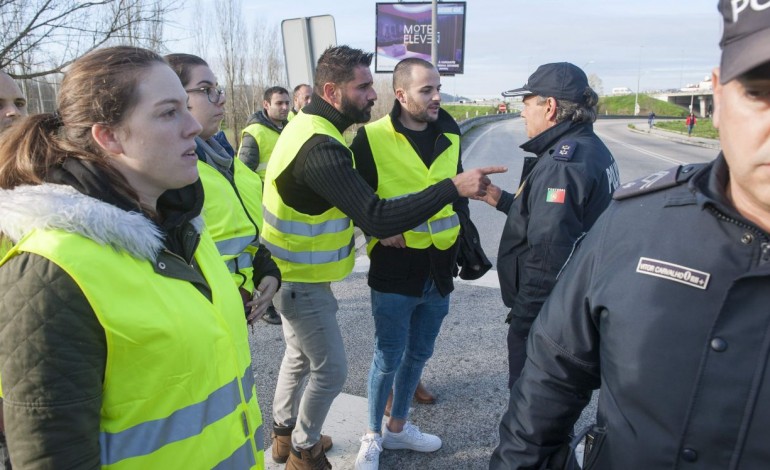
469, 124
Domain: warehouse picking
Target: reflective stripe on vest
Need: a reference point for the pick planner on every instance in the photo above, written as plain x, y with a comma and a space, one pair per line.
306, 248
233, 216
401, 171
149, 436
164, 405
438, 225
266, 139
307, 229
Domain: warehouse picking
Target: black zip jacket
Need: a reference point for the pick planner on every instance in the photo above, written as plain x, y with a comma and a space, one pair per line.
405, 270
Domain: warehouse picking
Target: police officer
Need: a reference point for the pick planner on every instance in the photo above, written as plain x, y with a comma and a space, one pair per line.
665, 303
563, 190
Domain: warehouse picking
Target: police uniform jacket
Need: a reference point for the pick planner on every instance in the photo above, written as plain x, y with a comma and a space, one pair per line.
666, 305
563, 191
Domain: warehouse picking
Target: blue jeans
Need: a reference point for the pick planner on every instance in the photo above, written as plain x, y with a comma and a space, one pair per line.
405, 330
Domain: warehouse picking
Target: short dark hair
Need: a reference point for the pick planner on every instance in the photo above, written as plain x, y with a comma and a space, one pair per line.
268, 95
337, 65
182, 64
299, 87
402, 73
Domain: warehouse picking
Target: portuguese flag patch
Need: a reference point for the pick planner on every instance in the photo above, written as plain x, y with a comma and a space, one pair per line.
555, 195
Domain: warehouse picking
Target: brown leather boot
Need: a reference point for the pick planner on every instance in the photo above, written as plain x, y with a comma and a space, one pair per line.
423, 396
282, 442
308, 459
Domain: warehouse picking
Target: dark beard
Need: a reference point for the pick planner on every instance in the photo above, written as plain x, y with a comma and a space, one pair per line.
358, 116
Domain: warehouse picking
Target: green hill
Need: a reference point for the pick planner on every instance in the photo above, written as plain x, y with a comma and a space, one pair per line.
459, 111
624, 105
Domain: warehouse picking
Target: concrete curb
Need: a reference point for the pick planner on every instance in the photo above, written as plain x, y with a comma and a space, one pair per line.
673, 137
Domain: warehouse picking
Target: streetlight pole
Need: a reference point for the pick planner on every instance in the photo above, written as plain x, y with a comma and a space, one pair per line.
434, 34
638, 80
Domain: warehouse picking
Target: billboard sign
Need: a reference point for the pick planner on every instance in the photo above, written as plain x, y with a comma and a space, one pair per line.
404, 30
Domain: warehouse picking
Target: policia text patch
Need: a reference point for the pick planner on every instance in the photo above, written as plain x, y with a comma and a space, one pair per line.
673, 272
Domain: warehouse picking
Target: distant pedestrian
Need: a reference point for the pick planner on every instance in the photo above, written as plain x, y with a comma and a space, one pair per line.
690, 123
651, 120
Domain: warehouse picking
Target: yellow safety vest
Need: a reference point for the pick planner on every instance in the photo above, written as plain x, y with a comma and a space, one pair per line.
266, 139
178, 386
291, 115
307, 248
233, 216
401, 171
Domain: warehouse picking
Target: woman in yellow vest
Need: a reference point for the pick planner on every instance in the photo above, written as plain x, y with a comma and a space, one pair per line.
233, 203
123, 344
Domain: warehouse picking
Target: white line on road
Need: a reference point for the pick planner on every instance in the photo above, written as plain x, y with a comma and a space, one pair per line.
640, 149
470, 148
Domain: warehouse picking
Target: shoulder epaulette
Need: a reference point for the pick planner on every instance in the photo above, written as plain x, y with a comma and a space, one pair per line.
564, 150
657, 181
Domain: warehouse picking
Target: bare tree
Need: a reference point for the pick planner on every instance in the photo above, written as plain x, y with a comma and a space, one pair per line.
42, 37
266, 66
596, 83
231, 33
201, 30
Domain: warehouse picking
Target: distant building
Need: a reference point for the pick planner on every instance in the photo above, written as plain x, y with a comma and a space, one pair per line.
621, 91
704, 84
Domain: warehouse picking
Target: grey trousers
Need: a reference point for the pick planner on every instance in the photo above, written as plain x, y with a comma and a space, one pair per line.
314, 352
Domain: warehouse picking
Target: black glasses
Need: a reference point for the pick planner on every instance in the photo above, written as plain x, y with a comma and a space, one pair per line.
213, 93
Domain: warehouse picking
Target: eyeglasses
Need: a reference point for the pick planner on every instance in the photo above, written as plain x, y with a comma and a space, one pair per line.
213, 93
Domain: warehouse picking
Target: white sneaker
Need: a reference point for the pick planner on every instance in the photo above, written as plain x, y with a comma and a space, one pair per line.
369, 454
410, 438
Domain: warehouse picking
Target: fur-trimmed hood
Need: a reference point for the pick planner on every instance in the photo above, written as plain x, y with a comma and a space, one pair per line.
55, 206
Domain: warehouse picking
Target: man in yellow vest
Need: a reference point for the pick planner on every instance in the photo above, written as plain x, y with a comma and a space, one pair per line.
13, 106
263, 128
302, 95
313, 194
257, 142
410, 274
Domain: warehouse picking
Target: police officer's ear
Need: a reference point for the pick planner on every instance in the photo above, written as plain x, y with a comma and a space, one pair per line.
550, 108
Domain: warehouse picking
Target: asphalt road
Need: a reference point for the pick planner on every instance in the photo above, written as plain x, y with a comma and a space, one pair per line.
468, 369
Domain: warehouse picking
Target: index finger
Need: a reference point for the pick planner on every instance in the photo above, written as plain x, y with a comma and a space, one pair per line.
487, 170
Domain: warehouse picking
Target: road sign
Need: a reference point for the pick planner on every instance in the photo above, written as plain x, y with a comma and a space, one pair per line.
304, 40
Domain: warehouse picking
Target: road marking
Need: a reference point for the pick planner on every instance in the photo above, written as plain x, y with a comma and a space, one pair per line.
346, 422
470, 148
641, 150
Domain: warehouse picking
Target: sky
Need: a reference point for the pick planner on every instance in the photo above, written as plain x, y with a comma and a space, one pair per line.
661, 44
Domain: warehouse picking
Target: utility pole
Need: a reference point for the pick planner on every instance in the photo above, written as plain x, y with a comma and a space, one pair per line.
434, 34
638, 80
